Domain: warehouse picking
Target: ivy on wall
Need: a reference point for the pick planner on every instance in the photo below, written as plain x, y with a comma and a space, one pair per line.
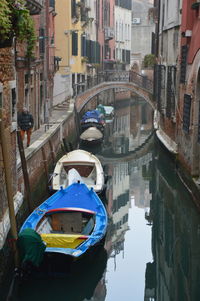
15, 21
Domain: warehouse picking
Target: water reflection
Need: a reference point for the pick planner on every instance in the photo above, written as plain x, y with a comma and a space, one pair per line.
152, 247
175, 235
84, 281
131, 127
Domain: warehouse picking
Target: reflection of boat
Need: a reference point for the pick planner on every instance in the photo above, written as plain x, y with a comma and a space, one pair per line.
92, 119
79, 284
91, 136
70, 222
88, 166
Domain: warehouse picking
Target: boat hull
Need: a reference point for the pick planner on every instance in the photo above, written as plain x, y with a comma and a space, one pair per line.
71, 223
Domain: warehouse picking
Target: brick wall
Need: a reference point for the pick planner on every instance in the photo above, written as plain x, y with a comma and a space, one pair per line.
43, 154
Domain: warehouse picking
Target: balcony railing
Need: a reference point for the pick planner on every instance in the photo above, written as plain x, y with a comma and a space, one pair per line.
34, 6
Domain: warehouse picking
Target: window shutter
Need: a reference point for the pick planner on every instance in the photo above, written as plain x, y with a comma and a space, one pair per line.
83, 46
74, 43
184, 51
171, 84
186, 112
41, 41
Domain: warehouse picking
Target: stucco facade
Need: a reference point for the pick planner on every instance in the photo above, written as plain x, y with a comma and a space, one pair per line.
143, 27
123, 17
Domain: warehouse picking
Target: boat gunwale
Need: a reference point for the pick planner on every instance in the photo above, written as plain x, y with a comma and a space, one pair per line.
71, 209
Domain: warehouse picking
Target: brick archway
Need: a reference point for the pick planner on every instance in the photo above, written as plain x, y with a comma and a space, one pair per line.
83, 98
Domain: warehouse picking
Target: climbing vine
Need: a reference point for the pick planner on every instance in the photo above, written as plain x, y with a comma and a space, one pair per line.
15, 20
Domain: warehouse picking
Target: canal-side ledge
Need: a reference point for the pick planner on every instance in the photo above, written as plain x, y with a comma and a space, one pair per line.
60, 124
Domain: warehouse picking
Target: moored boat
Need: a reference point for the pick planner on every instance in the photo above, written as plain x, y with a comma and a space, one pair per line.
92, 119
70, 222
87, 165
91, 136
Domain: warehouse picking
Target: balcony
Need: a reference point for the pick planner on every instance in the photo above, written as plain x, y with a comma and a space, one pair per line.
34, 6
109, 33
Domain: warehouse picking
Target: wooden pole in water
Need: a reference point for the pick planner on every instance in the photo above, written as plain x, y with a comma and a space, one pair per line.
24, 170
8, 178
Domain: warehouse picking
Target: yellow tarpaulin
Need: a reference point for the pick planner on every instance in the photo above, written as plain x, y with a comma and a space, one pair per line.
63, 240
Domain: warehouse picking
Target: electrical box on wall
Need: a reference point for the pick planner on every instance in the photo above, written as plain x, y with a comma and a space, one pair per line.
136, 21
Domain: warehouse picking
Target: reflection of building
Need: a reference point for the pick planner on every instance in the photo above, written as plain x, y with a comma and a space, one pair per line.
121, 129
175, 235
140, 121
120, 208
140, 174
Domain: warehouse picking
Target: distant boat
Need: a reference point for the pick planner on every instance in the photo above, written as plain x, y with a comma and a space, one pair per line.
107, 112
92, 119
85, 163
70, 222
91, 136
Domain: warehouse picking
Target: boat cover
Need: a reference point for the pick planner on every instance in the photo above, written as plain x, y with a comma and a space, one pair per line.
31, 246
91, 133
92, 116
74, 176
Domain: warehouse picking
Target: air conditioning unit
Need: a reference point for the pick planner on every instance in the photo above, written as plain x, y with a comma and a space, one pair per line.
136, 21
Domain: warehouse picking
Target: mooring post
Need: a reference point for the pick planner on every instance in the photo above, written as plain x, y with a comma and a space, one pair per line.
24, 170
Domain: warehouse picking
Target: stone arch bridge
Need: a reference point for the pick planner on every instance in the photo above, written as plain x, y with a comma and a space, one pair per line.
128, 80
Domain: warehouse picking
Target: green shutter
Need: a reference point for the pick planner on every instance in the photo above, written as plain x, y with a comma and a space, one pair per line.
74, 43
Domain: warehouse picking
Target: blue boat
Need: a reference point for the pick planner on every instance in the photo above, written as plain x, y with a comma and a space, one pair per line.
92, 119
70, 222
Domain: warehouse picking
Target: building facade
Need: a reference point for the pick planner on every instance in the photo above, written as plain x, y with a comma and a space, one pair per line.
143, 28
123, 12
176, 79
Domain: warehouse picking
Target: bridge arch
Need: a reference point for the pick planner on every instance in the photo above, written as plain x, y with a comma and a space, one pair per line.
83, 98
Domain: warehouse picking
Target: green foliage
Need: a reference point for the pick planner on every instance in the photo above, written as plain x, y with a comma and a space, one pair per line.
149, 60
5, 20
15, 20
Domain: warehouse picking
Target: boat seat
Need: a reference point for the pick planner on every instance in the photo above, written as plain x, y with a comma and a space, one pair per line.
83, 170
88, 227
67, 222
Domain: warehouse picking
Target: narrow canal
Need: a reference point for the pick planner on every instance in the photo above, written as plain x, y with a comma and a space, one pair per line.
152, 248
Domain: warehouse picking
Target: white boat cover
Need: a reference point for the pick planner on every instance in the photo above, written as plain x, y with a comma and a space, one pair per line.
91, 133
74, 177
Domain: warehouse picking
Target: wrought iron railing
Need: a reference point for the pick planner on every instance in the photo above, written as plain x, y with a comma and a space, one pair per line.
114, 76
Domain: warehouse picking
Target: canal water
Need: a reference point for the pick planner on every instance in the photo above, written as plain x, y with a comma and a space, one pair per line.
152, 247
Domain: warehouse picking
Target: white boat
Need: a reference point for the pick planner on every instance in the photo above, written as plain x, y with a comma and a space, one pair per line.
85, 163
109, 113
91, 136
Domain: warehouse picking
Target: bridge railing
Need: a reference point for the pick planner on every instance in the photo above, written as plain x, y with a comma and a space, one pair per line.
112, 76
